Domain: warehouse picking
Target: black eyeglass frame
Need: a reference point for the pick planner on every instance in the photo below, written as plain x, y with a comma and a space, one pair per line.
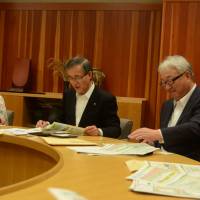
170, 82
76, 78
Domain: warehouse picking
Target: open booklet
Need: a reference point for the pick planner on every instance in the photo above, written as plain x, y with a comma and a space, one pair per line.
171, 179
64, 127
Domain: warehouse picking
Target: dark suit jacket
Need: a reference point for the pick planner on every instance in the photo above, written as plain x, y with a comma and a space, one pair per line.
101, 111
184, 138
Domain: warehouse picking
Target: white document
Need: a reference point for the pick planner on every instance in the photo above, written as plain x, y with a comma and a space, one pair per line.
65, 127
19, 131
63, 194
117, 149
171, 179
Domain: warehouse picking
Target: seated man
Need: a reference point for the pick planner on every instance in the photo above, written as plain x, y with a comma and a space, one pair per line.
86, 105
180, 116
3, 113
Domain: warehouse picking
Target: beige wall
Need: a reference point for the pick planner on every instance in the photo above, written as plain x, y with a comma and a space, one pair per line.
74, 1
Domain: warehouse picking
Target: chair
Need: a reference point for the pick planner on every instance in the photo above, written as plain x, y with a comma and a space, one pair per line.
126, 127
10, 115
20, 76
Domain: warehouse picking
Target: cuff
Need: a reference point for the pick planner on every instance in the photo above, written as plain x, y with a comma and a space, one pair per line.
100, 132
161, 141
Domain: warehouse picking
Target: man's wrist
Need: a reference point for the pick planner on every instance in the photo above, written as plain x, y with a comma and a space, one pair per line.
161, 139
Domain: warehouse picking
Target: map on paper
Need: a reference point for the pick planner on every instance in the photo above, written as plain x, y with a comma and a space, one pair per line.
65, 127
172, 179
117, 149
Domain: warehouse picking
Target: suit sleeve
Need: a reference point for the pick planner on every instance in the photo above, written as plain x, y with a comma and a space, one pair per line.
187, 131
109, 119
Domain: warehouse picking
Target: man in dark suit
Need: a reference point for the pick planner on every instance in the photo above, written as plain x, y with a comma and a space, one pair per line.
180, 116
85, 105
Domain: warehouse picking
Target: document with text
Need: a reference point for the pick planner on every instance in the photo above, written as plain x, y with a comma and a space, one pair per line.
117, 149
171, 179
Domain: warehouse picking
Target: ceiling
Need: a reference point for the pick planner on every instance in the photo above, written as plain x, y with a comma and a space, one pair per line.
78, 1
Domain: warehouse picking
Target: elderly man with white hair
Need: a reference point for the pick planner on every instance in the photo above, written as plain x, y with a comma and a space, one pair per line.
180, 116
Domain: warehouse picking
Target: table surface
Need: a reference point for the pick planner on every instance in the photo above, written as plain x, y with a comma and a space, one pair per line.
94, 177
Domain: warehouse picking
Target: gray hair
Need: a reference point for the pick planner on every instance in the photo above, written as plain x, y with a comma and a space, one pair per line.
177, 62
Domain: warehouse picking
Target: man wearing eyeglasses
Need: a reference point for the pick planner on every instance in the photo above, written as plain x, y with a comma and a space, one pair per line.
85, 105
180, 116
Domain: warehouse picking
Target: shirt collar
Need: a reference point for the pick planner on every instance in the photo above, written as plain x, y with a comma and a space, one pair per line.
88, 93
183, 101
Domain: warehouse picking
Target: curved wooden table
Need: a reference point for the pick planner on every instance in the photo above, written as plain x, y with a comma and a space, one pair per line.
94, 177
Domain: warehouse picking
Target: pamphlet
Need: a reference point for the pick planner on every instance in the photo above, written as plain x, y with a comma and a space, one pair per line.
171, 179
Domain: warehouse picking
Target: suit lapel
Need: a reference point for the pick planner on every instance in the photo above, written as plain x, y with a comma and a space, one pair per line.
73, 108
168, 112
89, 107
189, 104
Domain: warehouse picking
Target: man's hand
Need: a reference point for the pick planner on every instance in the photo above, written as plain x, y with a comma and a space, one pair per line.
92, 130
42, 124
2, 122
146, 135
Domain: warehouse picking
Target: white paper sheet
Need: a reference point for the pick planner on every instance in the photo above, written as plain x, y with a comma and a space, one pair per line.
117, 149
64, 194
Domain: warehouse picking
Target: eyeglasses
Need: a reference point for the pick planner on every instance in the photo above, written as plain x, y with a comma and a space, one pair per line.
76, 78
170, 82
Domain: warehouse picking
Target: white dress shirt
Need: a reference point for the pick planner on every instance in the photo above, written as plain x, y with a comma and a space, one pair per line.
179, 107
81, 102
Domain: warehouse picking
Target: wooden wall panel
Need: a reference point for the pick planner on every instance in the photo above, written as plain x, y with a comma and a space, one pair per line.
2, 21
36, 43
180, 35
121, 39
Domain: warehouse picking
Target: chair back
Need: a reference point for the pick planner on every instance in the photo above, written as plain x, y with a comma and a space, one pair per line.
126, 127
10, 115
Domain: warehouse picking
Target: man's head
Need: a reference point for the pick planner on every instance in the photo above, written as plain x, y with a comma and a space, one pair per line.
176, 76
79, 73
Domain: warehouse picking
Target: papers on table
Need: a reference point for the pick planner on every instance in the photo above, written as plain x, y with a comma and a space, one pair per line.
172, 179
117, 149
63, 194
19, 131
65, 127
134, 165
67, 142
54, 129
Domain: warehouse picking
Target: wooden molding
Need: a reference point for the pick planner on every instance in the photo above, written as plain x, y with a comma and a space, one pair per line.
80, 6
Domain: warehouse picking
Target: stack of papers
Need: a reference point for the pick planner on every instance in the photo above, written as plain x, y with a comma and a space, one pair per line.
171, 179
117, 149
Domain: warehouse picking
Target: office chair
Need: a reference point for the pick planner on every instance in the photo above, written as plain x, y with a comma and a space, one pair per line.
126, 127
10, 115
